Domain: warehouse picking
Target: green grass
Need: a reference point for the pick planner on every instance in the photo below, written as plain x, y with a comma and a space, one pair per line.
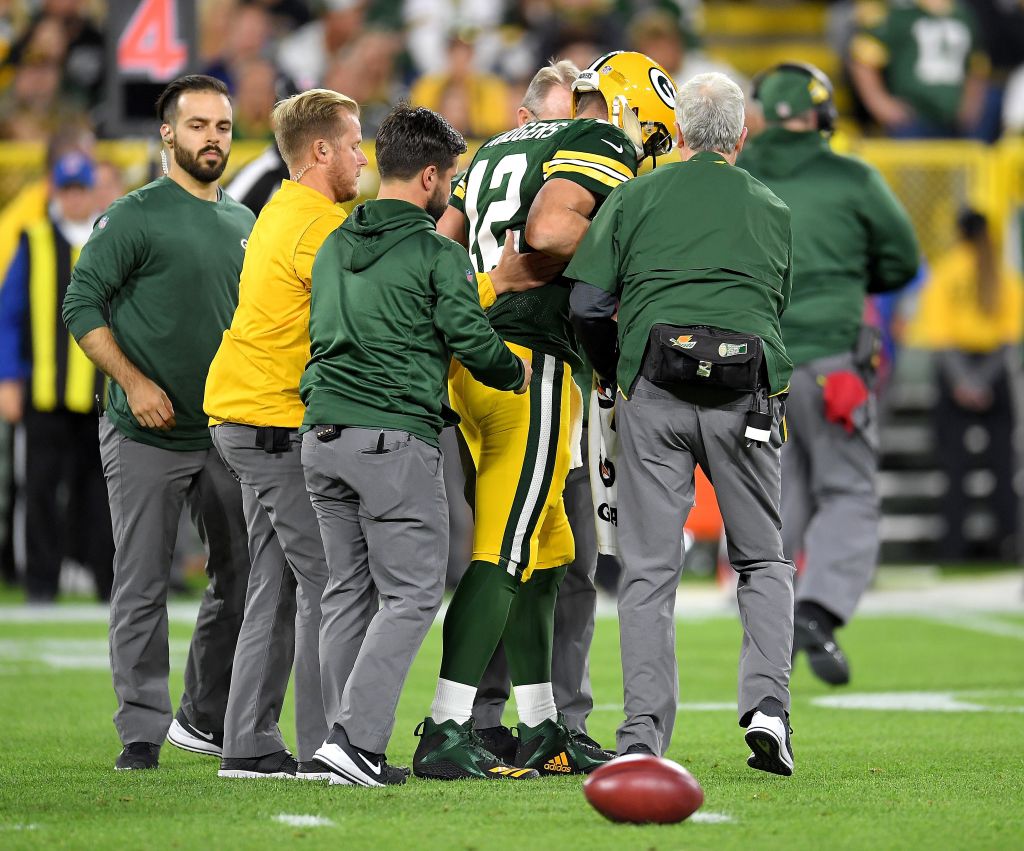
864, 779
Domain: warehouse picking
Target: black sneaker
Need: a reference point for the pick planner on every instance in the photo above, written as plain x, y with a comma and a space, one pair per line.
312, 770
138, 755
768, 737
640, 748
827, 660
350, 765
280, 764
453, 751
550, 748
588, 744
499, 741
183, 735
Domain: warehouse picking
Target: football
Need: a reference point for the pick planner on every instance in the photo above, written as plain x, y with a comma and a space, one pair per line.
643, 789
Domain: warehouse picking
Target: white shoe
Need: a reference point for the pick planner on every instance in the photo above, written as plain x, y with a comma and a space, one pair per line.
189, 738
768, 737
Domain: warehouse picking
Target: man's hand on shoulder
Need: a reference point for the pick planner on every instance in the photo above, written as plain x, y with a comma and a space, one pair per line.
517, 272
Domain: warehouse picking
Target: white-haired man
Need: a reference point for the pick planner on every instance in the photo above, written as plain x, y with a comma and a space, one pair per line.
697, 261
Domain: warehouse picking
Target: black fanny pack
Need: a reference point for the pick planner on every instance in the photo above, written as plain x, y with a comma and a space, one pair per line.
702, 356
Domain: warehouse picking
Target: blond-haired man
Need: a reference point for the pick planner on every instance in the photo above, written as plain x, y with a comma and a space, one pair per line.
252, 398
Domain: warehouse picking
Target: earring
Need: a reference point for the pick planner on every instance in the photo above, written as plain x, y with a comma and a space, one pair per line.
163, 161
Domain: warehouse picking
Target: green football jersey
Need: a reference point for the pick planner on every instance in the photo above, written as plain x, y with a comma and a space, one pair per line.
495, 195
925, 52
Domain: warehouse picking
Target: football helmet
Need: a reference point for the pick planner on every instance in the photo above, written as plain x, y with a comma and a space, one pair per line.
640, 95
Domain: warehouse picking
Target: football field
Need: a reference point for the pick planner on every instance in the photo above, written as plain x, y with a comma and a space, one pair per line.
925, 749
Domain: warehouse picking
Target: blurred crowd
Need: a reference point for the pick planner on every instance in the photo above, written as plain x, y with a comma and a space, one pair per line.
915, 68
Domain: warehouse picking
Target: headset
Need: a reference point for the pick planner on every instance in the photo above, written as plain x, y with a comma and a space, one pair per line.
825, 110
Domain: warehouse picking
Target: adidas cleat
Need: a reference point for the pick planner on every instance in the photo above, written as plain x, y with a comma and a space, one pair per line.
551, 748
452, 751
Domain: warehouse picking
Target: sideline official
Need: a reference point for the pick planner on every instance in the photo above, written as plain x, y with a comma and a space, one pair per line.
696, 258
850, 237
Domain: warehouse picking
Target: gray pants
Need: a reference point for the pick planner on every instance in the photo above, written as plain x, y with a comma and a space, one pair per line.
830, 507
574, 622
661, 439
282, 607
384, 523
147, 487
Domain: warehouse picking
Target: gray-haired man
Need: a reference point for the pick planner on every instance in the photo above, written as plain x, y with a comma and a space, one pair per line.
701, 376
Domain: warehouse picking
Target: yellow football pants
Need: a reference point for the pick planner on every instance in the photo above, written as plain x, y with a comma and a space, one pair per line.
521, 447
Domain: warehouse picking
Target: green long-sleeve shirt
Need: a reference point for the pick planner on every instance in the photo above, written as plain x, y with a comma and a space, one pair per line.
164, 266
692, 243
851, 236
393, 302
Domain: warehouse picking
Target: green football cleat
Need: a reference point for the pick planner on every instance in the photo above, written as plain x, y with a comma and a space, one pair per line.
551, 748
451, 751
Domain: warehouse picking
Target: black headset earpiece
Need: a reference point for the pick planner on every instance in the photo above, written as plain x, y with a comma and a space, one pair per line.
826, 110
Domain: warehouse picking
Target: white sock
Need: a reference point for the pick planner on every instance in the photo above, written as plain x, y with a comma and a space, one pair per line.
535, 703
452, 702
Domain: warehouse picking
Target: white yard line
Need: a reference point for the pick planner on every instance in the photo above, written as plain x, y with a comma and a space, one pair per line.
978, 623
712, 818
293, 820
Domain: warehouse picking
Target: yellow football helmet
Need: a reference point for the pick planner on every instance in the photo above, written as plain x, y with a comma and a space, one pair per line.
640, 95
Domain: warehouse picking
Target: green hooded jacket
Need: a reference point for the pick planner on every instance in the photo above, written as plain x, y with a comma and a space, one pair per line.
851, 236
393, 301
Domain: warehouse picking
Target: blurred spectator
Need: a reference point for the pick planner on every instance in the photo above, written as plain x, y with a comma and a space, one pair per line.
254, 98
1013, 103
109, 185
658, 34
50, 387
248, 39
365, 71
62, 33
971, 314
29, 205
565, 25
1001, 23
920, 68
303, 55
429, 23
31, 108
475, 104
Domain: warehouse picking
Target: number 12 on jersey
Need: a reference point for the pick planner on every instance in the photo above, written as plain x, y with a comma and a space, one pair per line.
499, 210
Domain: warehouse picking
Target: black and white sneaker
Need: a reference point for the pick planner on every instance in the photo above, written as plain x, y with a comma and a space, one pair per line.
767, 737
183, 735
351, 765
638, 747
590, 746
312, 770
138, 755
280, 764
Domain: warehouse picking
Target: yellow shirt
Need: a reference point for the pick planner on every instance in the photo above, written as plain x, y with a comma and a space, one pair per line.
254, 377
27, 208
948, 314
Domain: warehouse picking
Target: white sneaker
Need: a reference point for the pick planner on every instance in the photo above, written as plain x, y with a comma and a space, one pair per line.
183, 735
768, 737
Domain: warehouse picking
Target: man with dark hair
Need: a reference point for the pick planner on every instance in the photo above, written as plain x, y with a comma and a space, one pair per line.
392, 303
163, 264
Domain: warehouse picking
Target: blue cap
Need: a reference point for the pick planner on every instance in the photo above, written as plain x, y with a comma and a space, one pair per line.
74, 169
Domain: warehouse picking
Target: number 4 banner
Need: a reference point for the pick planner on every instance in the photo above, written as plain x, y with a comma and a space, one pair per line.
150, 45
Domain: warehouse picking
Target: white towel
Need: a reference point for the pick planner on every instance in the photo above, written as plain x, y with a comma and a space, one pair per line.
602, 443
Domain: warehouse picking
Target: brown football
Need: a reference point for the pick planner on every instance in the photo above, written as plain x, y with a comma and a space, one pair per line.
640, 788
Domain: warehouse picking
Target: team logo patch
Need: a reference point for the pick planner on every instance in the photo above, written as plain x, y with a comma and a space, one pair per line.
103, 222
470, 276
704, 369
683, 341
663, 86
730, 350
245, 244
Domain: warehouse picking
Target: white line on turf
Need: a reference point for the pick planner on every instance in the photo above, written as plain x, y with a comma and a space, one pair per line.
712, 818
919, 701
293, 820
682, 707
984, 625
29, 826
